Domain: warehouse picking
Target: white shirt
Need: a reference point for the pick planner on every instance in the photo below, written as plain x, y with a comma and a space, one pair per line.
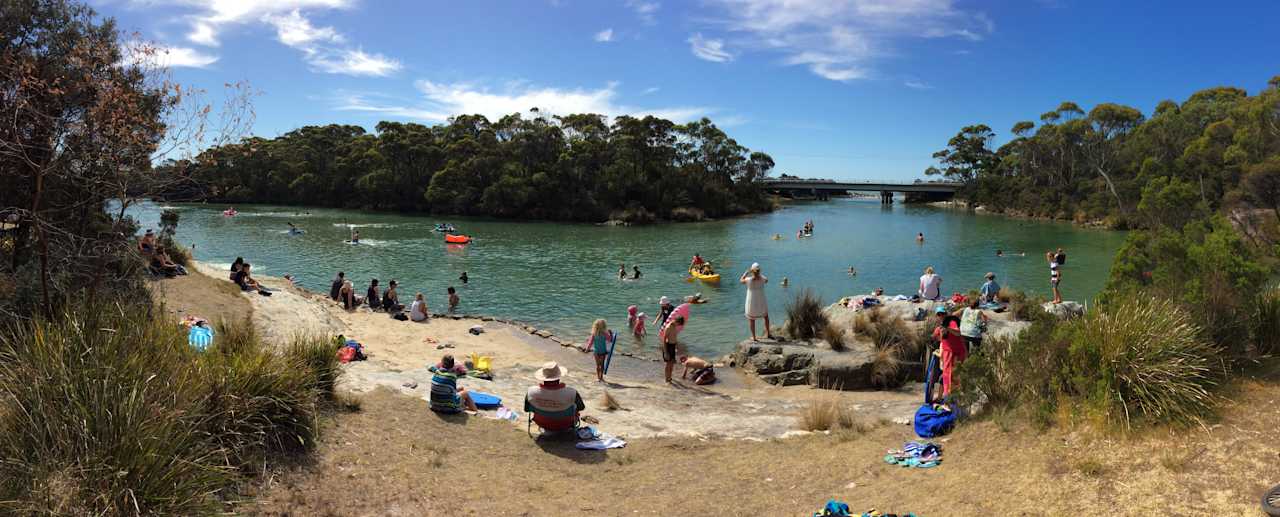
417, 310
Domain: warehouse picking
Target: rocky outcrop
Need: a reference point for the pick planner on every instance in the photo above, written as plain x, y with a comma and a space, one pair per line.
794, 362
1064, 310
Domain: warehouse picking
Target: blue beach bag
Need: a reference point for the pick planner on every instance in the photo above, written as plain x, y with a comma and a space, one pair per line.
933, 420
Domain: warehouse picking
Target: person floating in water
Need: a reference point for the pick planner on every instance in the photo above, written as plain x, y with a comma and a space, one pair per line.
785, 282
852, 271
920, 237
635, 272
463, 278
999, 253
777, 236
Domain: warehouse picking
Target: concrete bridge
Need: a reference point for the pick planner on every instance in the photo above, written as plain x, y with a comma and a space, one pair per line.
819, 188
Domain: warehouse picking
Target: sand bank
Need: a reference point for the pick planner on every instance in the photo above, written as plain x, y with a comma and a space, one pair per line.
401, 351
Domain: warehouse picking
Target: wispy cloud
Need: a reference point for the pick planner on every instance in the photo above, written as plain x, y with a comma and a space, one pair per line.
709, 49
324, 48
443, 100
917, 85
649, 90
166, 57
604, 36
841, 39
646, 10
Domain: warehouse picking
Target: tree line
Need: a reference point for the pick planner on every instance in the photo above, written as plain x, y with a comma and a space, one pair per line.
582, 167
1221, 144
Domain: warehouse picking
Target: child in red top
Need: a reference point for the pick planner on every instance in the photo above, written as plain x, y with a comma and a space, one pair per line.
953, 347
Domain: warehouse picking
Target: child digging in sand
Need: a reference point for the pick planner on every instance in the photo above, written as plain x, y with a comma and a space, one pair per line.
598, 344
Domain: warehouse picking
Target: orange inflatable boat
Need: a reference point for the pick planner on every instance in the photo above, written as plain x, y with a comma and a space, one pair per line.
457, 239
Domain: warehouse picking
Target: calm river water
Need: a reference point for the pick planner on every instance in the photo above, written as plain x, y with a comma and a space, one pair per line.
563, 276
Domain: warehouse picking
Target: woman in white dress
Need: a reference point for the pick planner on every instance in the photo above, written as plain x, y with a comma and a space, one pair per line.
757, 306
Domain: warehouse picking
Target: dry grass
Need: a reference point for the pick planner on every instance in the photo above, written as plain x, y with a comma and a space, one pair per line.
826, 414
834, 336
886, 370
366, 467
865, 319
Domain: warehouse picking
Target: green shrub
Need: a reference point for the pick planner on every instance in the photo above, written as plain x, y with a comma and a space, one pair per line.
805, 319
1142, 359
1264, 325
108, 410
319, 355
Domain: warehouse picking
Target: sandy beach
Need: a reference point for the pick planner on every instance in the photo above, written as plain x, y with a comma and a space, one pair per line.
400, 353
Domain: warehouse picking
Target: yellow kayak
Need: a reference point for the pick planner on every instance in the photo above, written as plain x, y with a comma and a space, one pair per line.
714, 277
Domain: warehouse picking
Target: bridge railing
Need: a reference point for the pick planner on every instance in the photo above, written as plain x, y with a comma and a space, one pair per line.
857, 182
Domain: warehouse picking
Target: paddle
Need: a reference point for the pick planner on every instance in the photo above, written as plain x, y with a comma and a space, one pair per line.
613, 342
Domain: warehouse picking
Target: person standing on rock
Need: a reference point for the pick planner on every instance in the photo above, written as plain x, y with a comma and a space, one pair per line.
757, 306
1055, 275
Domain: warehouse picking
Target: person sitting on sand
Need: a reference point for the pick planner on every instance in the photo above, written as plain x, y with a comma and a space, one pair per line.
990, 290
336, 286
348, 296
391, 299
555, 407
446, 396
235, 267
453, 299
147, 244
244, 278
167, 264
418, 309
372, 296
930, 285
598, 345
670, 342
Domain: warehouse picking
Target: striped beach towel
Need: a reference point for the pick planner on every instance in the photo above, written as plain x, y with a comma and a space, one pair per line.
200, 337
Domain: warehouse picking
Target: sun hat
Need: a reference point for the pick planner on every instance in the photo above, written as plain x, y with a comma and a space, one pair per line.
550, 372
990, 275
940, 310
664, 301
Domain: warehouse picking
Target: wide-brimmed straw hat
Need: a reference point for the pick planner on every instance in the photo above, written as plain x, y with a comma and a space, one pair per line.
550, 372
664, 301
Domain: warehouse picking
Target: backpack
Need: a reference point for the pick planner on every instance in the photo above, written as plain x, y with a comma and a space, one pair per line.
933, 420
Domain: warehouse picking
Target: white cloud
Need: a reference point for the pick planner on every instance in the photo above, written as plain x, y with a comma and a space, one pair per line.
442, 100
166, 57
709, 49
649, 90
917, 85
324, 48
645, 9
840, 39
604, 36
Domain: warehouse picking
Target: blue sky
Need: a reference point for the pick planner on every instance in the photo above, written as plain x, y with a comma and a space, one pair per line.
830, 88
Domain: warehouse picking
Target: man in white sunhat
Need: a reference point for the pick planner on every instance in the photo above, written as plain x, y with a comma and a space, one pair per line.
555, 407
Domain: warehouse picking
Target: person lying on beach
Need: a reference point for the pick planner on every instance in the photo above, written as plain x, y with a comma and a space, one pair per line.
418, 309
446, 396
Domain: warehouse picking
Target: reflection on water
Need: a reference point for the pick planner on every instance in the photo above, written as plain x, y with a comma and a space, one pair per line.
564, 276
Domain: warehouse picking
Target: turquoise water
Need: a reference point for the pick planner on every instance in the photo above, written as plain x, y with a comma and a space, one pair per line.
563, 276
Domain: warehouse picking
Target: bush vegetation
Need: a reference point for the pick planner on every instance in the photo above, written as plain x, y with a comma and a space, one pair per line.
106, 410
805, 319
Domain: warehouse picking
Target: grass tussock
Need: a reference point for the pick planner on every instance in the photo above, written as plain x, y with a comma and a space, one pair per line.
1265, 324
106, 410
826, 414
887, 368
834, 336
867, 318
805, 319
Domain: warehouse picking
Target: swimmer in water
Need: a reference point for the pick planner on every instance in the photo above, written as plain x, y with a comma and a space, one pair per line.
999, 253
355, 236
852, 271
622, 271
785, 282
777, 236
920, 237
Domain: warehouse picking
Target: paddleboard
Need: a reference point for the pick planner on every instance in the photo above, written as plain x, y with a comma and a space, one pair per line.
485, 400
613, 342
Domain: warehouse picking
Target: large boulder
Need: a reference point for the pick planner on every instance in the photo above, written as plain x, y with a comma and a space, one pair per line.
795, 362
1064, 310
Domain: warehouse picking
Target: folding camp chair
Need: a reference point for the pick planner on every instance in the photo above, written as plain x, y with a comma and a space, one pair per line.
570, 411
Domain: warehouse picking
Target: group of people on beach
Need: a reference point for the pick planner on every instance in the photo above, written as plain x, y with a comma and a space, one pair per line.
343, 291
